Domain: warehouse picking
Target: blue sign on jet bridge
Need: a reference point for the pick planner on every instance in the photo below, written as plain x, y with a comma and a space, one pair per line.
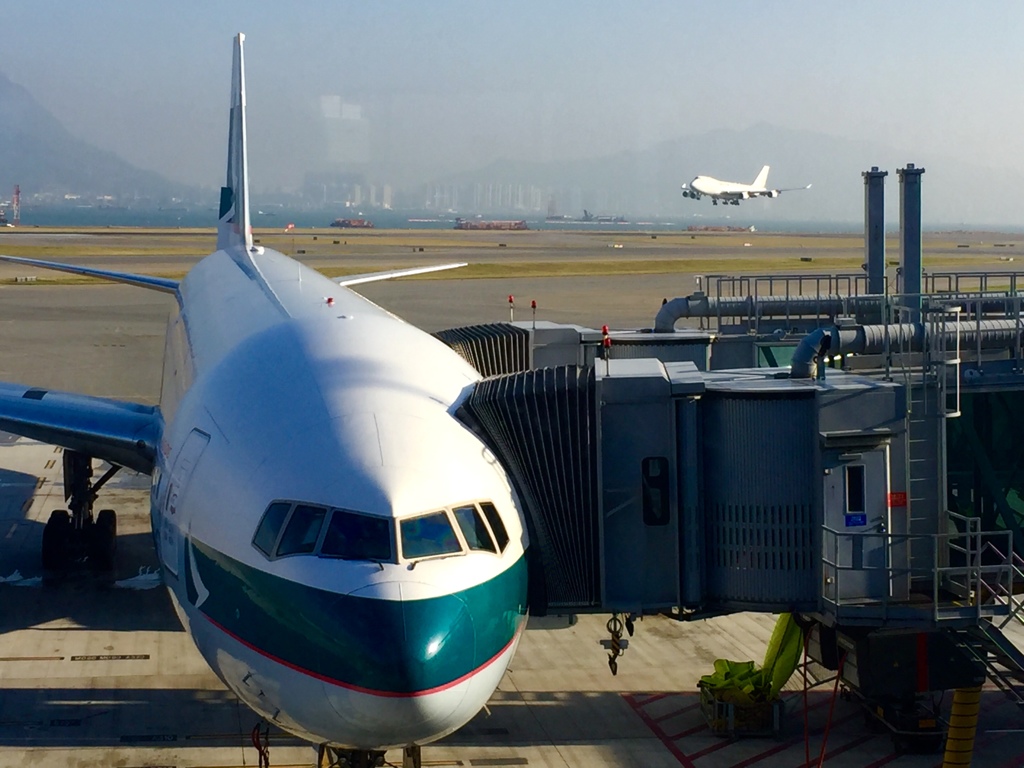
852, 521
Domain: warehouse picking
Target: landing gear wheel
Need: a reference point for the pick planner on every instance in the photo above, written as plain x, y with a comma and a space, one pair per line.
334, 757
103, 546
55, 540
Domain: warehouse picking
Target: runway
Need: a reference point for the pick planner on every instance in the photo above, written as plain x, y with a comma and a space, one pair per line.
98, 672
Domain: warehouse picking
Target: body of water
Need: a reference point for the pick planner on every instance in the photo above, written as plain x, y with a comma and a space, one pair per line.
89, 216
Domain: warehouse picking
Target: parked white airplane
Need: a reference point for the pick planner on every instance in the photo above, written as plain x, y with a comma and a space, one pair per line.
347, 556
731, 192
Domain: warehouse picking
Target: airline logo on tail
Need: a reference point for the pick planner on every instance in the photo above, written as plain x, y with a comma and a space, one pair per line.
731, 192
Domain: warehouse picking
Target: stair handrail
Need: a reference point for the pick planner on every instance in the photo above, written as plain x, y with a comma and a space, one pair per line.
1007, 593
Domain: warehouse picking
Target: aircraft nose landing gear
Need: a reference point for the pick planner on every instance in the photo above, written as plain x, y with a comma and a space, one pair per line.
74, 535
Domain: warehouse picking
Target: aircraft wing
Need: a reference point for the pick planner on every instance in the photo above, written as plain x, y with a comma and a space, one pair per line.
370, 277
123, 433
793, 189
144, 281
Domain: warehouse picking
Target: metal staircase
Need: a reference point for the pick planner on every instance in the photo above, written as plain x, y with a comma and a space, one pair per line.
1002, 660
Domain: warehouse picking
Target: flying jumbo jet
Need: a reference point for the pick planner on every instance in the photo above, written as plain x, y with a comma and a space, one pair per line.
346, 555
731, 192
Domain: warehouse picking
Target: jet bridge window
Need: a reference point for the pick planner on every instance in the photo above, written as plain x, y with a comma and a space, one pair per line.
352, 536
428, 536
497, 527
303, 530
855, 493
270, 527
474, 530
654, 473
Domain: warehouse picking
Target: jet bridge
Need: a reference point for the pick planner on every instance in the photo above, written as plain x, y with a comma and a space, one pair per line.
658, 487
655, 482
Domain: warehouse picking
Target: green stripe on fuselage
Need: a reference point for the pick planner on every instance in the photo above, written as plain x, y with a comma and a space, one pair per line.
388, 646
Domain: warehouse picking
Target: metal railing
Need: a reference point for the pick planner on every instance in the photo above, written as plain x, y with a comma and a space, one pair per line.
994, 294
961, 591
1013, 601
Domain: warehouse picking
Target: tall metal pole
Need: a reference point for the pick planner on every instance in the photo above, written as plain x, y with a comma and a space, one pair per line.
874, 229
910, 237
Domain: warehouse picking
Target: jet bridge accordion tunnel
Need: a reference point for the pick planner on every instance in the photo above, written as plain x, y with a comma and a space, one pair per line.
656, 487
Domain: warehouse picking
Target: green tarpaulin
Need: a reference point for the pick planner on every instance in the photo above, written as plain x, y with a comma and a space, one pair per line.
745, 683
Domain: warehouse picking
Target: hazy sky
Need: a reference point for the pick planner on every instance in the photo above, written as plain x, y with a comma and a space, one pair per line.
453, 85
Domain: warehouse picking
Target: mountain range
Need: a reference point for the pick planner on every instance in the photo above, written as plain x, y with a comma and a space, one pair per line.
40, 154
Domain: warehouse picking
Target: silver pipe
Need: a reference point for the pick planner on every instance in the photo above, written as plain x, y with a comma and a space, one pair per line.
910, 337
699, 305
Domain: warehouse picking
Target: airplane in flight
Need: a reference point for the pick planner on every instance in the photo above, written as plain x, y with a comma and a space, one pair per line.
347, 556
731, 192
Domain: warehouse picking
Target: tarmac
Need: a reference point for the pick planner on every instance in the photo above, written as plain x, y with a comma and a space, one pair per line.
97, 671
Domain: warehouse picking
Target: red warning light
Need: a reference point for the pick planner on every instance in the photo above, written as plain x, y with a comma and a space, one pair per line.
330, 301
511, 299
533, 304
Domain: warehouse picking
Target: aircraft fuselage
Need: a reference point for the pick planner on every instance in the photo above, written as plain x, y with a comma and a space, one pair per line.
286, 395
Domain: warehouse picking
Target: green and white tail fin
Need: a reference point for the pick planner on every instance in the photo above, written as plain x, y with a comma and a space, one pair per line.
234, 229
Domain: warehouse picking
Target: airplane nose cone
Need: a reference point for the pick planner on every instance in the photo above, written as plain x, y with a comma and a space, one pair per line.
414, 647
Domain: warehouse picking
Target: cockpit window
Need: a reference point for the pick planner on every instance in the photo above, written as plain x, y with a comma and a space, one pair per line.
429, 535
357, 537
497, 527
473, 528
270, 527
303, 530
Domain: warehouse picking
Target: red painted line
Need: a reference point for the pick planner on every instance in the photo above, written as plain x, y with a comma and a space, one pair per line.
769, 753
823, 703
850, 745
689, 731
790, 742
673, 713
653, 698
358, 688
884, 760
669, 745
760, 756
713, 748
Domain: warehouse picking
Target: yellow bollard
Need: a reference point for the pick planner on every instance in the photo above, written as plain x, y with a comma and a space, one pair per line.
963, 722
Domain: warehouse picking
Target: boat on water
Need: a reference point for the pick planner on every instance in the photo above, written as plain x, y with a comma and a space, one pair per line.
352, 223
491, 224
